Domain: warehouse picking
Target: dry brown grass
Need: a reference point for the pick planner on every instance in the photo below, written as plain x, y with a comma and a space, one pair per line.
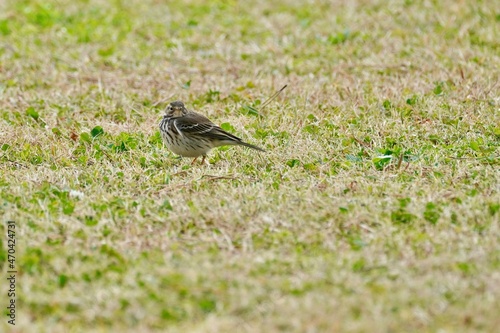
376, 207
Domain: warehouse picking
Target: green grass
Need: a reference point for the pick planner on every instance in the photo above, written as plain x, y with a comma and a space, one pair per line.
376, 207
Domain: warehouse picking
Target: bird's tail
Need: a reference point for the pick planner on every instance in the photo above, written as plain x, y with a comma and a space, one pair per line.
250, 146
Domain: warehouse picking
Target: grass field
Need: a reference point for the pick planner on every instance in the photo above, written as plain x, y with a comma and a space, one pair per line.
376, 207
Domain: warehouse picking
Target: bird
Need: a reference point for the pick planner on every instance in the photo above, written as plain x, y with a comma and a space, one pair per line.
190, 134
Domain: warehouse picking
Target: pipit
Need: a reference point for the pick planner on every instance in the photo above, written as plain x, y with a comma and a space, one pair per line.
190, 134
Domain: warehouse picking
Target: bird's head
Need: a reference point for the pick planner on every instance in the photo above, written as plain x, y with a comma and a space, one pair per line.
175, 109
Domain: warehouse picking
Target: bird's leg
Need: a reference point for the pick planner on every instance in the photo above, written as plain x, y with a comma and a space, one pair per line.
203, 160
194, 160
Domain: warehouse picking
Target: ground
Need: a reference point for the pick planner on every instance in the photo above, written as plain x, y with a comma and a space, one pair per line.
375, 207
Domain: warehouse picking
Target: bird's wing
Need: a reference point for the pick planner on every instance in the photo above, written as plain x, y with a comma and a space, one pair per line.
218, 133
193, 123
197, 124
